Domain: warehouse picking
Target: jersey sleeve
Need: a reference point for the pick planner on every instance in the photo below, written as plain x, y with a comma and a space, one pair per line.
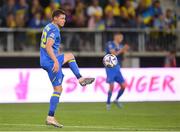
110, 46
52, 34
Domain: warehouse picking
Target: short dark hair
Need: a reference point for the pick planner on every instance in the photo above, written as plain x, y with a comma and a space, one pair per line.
58, 12
118, 33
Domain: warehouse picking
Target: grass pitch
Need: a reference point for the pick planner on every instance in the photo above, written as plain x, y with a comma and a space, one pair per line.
145, 116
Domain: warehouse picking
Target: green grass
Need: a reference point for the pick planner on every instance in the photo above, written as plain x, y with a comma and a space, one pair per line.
145, 116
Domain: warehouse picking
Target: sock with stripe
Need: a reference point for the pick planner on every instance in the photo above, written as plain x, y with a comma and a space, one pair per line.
53, 103
74, 68
121, 91
109, 97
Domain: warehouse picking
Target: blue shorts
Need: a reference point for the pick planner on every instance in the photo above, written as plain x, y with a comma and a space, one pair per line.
56, 78
114, 75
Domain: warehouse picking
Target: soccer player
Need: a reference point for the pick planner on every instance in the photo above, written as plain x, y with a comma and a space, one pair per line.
114, 74
51, 61
170, 59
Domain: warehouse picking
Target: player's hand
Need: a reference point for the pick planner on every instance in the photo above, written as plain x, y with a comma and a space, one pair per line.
56, 66
126, 46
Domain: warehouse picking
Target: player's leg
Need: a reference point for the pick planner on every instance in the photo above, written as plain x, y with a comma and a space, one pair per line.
53, 105
121, 91
110, 72
108, 103
70, 59
122, 84
56, 80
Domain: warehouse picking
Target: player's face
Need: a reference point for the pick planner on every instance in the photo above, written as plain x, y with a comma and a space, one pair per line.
119, 38
61, 19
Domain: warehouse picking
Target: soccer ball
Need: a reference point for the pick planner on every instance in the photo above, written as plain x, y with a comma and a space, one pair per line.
110, 60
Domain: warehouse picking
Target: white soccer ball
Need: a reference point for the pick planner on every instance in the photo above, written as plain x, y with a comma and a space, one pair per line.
110, 60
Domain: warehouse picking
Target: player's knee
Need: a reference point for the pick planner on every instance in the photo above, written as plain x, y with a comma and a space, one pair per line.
123, 85
111, 88
70, 56
58, 88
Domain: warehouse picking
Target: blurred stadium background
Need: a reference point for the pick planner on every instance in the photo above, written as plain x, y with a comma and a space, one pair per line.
150, 27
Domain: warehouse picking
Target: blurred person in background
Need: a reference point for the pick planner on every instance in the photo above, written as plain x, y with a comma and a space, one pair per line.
170, 26
170, 21
114, 6
35, 21
52, 6
10, 21
94, 8
157, 37
110, 21
157, 8
95, 13
123, 21
96, 22
20, 37
145, 13
21, 18
114, 74
159, 22
72, 3
128, 11
8, 8
170, 59
69, 14
127, 16
22, 13
48, 10
57, 3
46, 18
35, 8
80, 18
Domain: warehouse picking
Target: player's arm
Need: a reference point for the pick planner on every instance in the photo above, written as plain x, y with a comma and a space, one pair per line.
121, 51
51, 54
112, 49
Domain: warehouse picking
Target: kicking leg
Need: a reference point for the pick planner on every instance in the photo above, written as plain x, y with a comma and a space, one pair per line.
70, 59
53, 105
120, 93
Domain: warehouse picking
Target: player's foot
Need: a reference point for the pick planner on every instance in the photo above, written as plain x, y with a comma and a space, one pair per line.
86, 81
50, 120
118, 104
108, 107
